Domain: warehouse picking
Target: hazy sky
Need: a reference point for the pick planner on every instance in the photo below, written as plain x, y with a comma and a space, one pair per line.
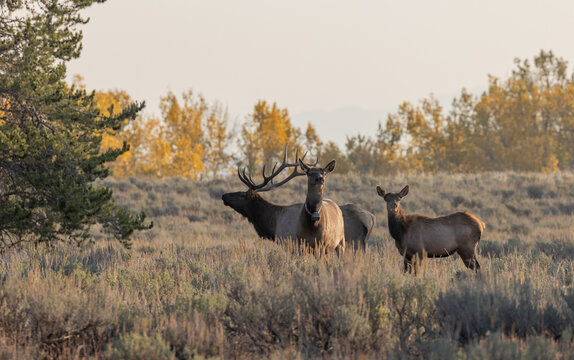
340, 64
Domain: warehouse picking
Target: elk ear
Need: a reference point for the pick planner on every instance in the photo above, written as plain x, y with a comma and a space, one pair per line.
304, 167
404, 191
330, 167
380, 191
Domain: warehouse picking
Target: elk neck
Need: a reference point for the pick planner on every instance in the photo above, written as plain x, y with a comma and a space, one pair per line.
397, 223
263, 215
314, 198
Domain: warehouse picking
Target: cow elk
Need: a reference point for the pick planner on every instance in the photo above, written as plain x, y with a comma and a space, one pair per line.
420, 236
272, 221
320, 223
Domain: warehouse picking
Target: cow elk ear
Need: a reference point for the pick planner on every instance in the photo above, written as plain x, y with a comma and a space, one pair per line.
380, 191
304, 167
330, 167
404, 191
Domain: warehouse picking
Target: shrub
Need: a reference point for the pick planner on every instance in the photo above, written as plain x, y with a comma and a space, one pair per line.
500, 347
412, 310
133, 346
470, 313
457, 200
535, 191
58, 317
566, 209
194, 335
261, 320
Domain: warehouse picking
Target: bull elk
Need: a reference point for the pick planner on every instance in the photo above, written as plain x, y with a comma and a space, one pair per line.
419, 235
320, 223
272, 221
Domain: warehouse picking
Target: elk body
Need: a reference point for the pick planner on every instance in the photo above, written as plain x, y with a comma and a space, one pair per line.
419, 235
320, 223
272, 221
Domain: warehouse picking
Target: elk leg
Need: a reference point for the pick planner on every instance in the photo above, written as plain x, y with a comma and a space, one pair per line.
417, 261
340, 249
469, 259
475, 263
472, 263
408, 263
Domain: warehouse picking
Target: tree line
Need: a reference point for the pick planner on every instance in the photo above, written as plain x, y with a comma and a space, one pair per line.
522, 123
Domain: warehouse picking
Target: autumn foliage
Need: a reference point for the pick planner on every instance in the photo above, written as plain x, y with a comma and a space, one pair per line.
522, 123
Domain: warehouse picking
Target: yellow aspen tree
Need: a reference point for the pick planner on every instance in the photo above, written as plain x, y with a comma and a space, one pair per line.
513, 136
359, 151
460, 130
331, 151
153, 149
387, 147
109, 103
4, 107
217, 139
559, 102
313, 143
425, 129
265, 134
183, 132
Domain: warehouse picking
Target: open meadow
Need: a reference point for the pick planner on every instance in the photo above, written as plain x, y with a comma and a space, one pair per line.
201, 284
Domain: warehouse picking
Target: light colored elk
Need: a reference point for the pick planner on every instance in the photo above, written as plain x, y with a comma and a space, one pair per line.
272, 221
419, 235
320, 223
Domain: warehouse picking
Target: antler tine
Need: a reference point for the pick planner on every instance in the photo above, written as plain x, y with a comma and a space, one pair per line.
268, 181
309, 164
266, 178
284, 164
274, 185
247, 177
285, 153
244, 177
274, 166
251, 180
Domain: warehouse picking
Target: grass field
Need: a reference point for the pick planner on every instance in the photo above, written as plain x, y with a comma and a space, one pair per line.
202, 285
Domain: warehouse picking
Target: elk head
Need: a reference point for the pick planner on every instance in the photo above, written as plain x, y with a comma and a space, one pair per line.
315, 184
393, 200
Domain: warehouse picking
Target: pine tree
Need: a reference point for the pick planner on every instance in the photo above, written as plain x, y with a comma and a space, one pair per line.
50, 134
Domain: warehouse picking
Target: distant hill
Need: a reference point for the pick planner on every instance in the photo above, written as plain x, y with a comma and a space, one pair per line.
337, 124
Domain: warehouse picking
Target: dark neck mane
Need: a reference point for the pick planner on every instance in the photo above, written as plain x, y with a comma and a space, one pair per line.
263, 215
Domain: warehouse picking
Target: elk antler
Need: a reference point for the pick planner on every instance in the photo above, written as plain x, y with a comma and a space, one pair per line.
268, 183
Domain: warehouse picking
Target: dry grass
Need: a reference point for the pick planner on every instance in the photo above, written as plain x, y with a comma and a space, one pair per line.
202, 285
